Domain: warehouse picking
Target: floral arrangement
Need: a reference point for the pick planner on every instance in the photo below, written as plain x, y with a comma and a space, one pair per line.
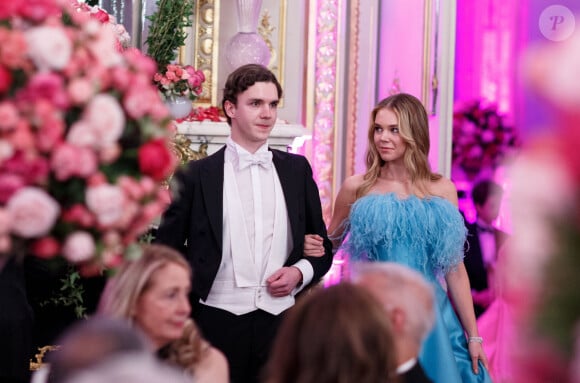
481, 138
98, 13
179, 81
211, 113
167, 30
84, 138
543, 277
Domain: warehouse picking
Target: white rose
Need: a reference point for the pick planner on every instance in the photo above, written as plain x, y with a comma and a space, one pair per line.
48, 47
106, 119
33, 212
79, 247
106, 202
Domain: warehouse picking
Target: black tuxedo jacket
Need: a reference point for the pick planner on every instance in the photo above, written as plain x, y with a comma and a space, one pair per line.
473, 261
415, 375
195, 215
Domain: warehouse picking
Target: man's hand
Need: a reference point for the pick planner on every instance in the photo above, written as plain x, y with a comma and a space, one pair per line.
283, 281
313, 245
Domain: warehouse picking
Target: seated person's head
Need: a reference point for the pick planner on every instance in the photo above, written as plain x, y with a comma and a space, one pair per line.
142, 368
152, 293
486, 196
90, 342
406, 296
338, 334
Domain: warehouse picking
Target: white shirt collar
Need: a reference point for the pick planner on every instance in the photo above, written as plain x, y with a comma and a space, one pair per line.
237, 148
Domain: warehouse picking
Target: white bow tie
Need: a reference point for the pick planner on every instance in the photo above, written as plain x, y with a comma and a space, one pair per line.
261, 158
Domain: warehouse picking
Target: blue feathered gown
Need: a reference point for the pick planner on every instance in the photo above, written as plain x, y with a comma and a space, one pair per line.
426, 234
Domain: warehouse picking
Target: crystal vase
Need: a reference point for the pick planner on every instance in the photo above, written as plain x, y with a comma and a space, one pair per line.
247, 46
179, 107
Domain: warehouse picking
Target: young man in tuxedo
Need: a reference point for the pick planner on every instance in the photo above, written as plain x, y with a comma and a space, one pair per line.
408, 300
483, 242
243, 213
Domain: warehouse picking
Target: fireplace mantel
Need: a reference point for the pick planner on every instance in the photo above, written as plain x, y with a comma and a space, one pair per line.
284, 136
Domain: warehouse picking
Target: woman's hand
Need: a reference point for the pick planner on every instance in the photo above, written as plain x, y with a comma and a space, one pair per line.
313, 245
476, 353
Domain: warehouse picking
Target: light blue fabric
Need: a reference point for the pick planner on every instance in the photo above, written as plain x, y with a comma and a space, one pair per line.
428, 235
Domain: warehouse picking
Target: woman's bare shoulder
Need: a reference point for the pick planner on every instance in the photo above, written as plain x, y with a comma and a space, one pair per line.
213, 367
444, 188
353, 182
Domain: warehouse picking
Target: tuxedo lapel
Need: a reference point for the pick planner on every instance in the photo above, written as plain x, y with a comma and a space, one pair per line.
212, 185
288, 183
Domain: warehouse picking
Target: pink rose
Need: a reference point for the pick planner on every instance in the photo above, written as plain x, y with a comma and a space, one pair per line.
80, 90
139, 99
78, 214
49, 47
103, 48
9, 184
8, 116
46, 86
106, 119
99, 15
6, 150
81, 134
38, 10
9, 8
69, 161
33, 211
106, 202
5, 79
156, 160
13, 53
131, 187
46, 247
110, 153
79, 247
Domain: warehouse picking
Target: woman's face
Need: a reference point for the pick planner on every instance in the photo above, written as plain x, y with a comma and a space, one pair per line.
163, 309
387, 138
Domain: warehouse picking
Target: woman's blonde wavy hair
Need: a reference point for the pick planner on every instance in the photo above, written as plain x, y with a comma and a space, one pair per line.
124, 289
414, 130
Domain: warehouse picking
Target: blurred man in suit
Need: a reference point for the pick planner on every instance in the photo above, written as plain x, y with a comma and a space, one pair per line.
483, 242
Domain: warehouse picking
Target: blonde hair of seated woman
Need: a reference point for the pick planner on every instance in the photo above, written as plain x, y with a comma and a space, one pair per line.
160, 272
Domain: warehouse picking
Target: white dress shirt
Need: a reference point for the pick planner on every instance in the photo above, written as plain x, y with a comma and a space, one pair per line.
256, 235
487, 243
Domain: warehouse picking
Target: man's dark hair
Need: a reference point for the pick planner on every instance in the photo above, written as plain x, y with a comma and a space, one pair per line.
243, 78
483, 190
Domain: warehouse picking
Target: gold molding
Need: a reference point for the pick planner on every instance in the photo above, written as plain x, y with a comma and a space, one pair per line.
427, 39
206, 48
352, 95
265, 29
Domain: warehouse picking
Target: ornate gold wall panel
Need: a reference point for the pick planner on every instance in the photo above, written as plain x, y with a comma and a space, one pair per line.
206, 48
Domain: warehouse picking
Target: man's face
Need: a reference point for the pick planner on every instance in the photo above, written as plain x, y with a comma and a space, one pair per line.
254, 115
489, 211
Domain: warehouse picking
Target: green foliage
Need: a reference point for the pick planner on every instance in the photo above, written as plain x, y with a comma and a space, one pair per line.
70, 294
167, 30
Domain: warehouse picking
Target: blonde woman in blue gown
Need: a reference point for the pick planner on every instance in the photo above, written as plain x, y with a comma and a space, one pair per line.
401, 211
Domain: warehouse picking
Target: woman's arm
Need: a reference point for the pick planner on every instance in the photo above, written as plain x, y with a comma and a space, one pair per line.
313, 244
345, 198
459, 290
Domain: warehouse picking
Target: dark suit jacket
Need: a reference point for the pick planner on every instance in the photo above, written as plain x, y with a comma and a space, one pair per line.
473, 261
415, 375
195, 215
